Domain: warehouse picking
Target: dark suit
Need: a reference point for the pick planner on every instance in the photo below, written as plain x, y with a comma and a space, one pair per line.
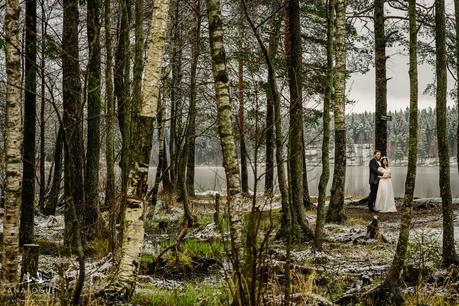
374, 181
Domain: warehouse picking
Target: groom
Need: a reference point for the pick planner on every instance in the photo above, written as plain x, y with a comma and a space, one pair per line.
374, 180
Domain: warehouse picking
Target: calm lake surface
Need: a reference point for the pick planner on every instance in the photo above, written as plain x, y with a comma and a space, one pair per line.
427, 180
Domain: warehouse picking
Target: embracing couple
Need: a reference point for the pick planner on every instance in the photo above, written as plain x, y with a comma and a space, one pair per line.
381, 197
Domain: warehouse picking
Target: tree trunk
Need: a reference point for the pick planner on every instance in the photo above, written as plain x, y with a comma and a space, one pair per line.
133, 226
51, 204
160, 170
335, 211
243, 149
13, 142
175, 145
456, 13
191, 129
293, 51
306, 199
380, 78
110, 187
26, 232
41, 200
91, 210
273, 45
392, 279
325, 175
122, 92
73, 118
449, 251
227, 141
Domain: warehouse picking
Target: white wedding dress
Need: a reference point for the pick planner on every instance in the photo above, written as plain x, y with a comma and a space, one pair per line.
385, 197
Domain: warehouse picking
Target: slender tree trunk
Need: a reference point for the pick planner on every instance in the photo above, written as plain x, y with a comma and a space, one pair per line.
176, 99
306, 199
227, 141
26, 232
13, 142
41, 203
380, 78
133, 232
137, 101
325, 175
191, 132
110, 187
160, 170
449, 251
456, 13
91, 209
51, 204
73, 115
392, 279
122, 92
300, 227
273, 45
285, 230
335, 211
243, 149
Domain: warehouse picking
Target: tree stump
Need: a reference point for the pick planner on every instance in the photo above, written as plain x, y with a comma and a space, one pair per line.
372, 233
30, 257
373, 230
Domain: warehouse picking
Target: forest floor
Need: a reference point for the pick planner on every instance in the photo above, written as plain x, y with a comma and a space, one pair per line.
197, 274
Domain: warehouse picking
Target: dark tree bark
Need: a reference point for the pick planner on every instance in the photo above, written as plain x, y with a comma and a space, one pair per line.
122, 91
191, 129
449, 251
392, 279
335, 211
273, 45
456, 13
300, 228
26, 231
110, 188
91, 209
73, 115
41, 201
162, 163
325, 175
306, 199
51, 204
380, 78
176, 99
73, 139
242, 146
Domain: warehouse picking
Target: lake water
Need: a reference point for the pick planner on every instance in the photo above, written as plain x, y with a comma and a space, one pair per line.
427, 180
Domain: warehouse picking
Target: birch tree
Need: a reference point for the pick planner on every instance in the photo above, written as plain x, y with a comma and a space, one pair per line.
225, 130
13, 142
133, 225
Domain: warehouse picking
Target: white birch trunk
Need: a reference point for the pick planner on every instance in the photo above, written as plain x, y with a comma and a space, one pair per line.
13, 143
133, 226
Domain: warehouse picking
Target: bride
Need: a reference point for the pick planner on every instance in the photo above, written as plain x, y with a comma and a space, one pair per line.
385, 197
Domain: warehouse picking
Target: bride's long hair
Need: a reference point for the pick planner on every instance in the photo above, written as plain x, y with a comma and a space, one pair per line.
382, 162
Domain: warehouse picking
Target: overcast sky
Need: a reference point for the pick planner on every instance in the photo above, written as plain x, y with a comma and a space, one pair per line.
361, 87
